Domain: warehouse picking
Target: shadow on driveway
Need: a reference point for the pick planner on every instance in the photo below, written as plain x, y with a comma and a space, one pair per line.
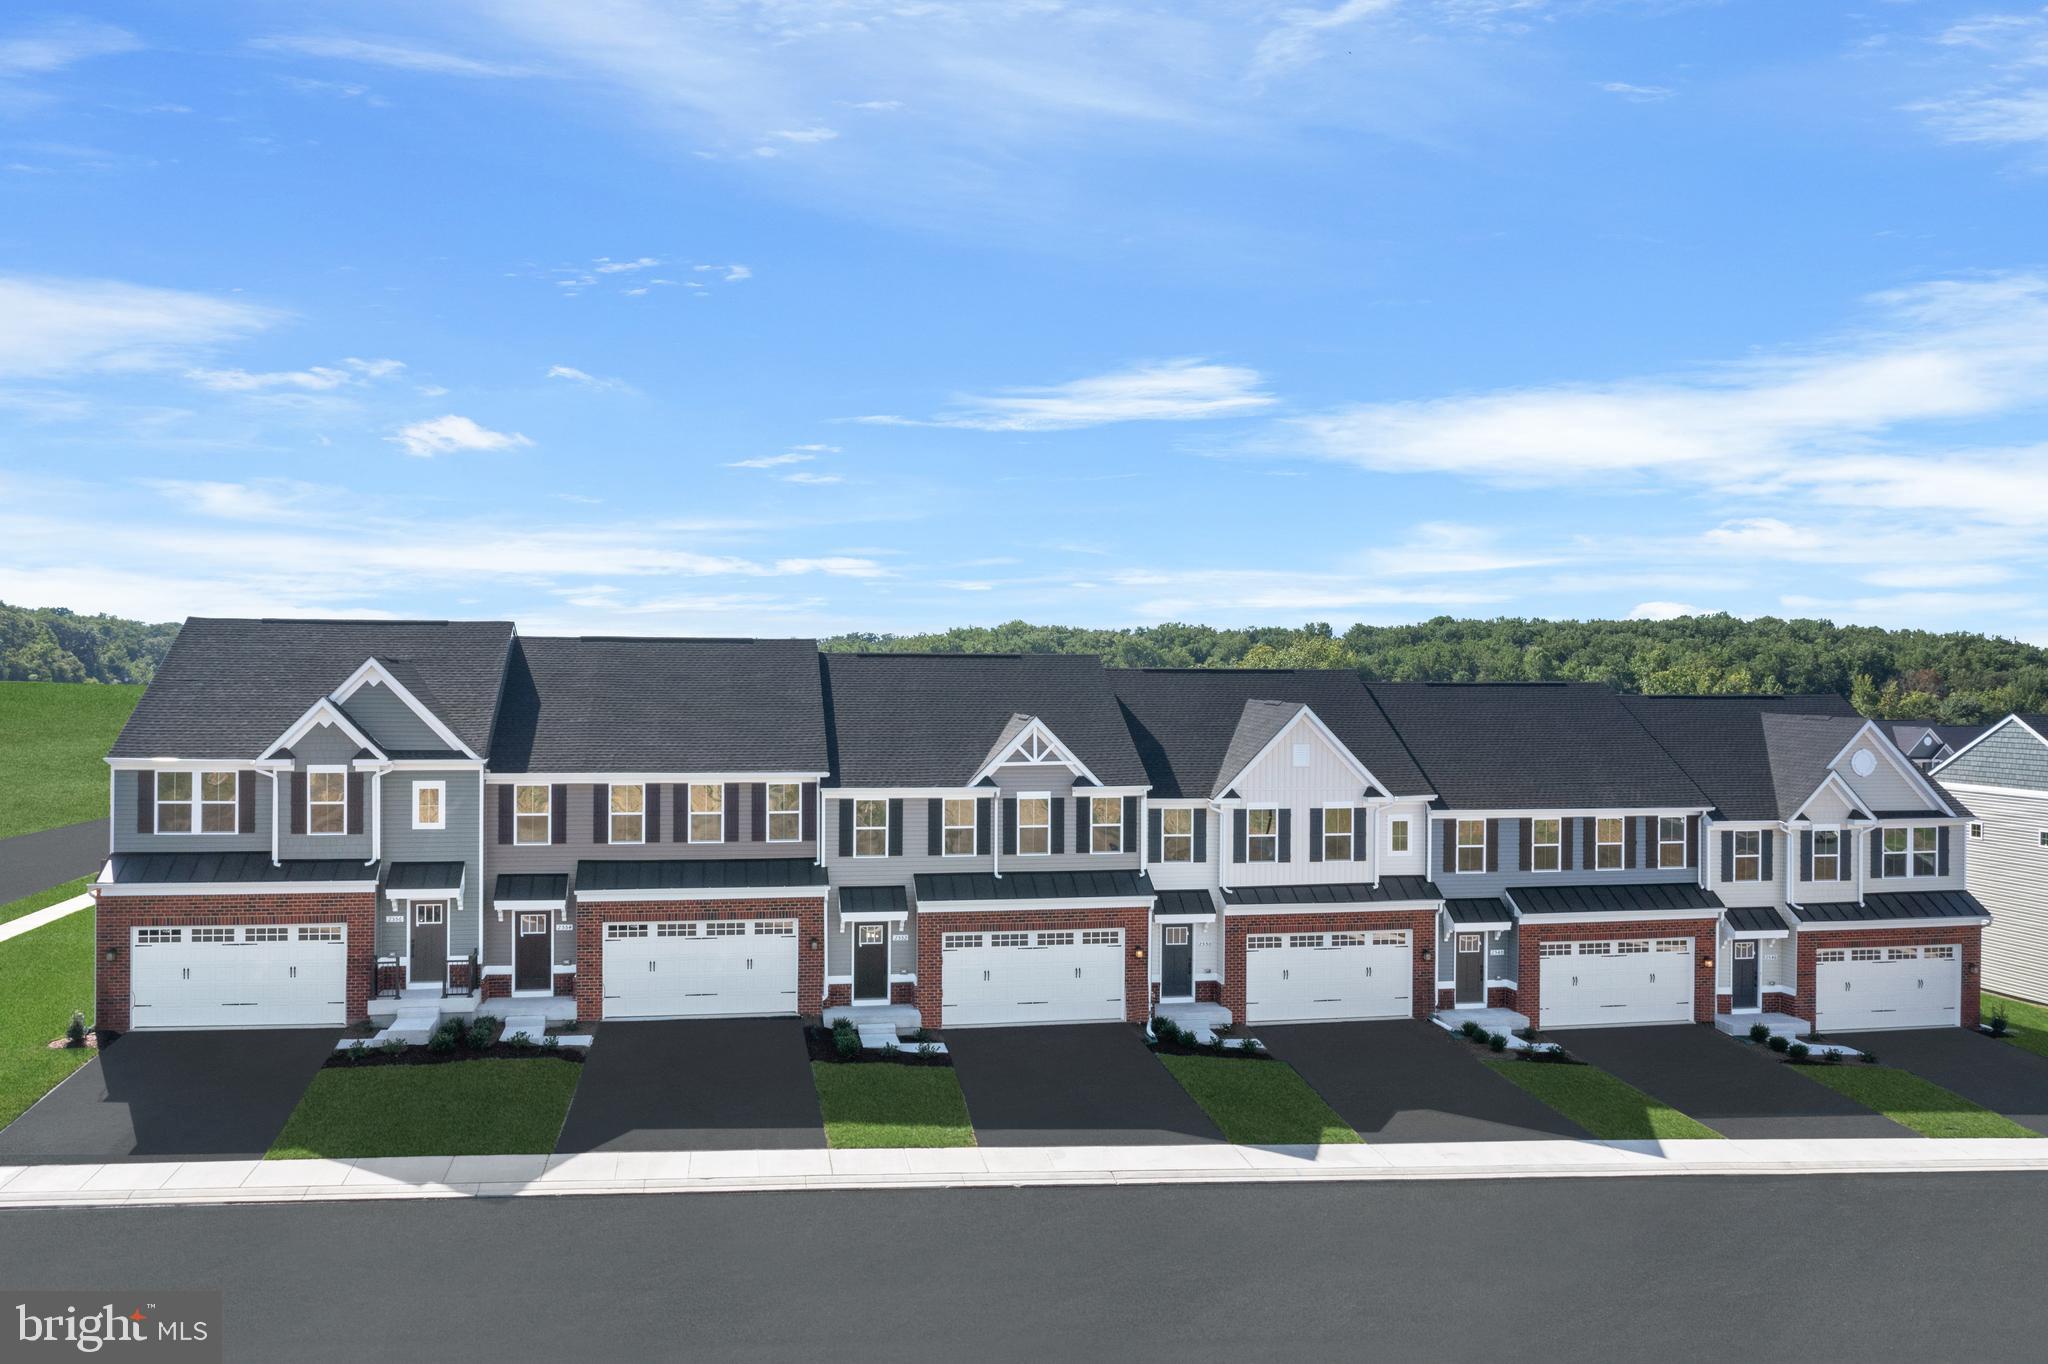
1093, 1084
699, 1084
172, 1096
1982, 1069
1738, 1089
1402, 1080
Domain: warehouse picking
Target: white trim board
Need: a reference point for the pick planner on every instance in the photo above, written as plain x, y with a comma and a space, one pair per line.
1144, 902
373, 673
321, 712
233, 888
630, 897
1283, 911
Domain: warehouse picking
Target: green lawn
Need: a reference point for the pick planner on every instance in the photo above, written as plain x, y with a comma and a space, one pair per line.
1259, 1103
462, 1108
1603, 1105
43, 899
1912, 1102
54, 738
891, 1105
2028, 1022
44, 976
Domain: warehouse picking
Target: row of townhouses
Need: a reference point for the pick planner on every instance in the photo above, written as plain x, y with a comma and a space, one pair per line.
311, 818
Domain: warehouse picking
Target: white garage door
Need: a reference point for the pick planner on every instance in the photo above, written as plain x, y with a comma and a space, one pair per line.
222, 976
1071, 976
1888, 987
700, 968
1307, 977
1609, 984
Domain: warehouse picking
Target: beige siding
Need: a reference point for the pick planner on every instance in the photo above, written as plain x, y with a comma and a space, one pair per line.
2008, 871
1191, 875
1886, 788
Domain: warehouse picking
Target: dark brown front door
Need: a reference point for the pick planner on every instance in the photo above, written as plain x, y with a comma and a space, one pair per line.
1471, 970
533, 955
428, 955
871, 963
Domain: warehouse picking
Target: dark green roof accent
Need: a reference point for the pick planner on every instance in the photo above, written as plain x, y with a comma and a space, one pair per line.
547, 889
250, 868
1185, 902
423, 876
1756, 919
1491, 910
1389, 889
1910, 904
725, 873
1125, 886
1642, 897
868, 899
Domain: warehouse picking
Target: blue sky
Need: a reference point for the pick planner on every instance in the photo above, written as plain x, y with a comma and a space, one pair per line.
782, 318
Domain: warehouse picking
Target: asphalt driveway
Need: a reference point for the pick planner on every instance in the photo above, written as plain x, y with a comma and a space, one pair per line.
1982, 1069
703, 1084
173, 1095
1401, 1080
1734, 1087
1094, 1084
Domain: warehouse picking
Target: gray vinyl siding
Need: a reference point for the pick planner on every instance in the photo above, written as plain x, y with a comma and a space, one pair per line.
126, 839
848, 870
839, 945
1886, 788
2008, 756
1784, 869
1473, 885
456, 843
562, 857
391, 723
498, 938
325, 746
2008, 871
1501, 958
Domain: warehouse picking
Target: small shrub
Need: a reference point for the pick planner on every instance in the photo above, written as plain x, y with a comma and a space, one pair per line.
1779, 1043
74, 1033
391, 1048
921, 1035
1798, 1051
926, 1047
1471, 1030
890, 1050
442, 1041
1253, 1046
2000, 1023
482, 1032
1497, 1042
550, 1042
845, 1042
1168, 1032
1526, 1034
355, 1050
1759, 1033
1869, 1058
1831, 1058
520, 1039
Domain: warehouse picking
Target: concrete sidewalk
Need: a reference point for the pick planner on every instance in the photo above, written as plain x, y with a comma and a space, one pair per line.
295, 1181
49, 914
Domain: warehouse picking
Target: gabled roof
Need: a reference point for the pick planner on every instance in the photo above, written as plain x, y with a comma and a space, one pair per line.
1722, 745
933, 720
1533, 746
228, 688
1192, 724
661, 705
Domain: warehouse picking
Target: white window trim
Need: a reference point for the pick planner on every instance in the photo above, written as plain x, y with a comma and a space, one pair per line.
795, 815
1045, 796
947, 827
440, 803
1166, 839
1535, 844
1251, 840
860, 828
1681, 842
1735, 871
1841, 851
1458, 845
1094, 824
691, 813
197, 802
1620, 845
611, 816
1350, 835
311, 772
1910, 854
1407, 826
546, 815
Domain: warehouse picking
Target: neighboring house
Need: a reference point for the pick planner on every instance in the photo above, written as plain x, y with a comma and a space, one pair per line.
1840, 865
312, 819
1927, 746
2004, 775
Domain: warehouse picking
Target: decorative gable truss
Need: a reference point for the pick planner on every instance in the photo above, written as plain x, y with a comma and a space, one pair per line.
1026, 741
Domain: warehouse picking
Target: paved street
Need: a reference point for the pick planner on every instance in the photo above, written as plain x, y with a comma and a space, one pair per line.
1211, 1272
50, 857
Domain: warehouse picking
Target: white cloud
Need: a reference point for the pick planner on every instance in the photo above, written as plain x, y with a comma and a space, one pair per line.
877, 106
399, 56
731, 274
51, 326
451, 434
585, 379
2002, 62
1665, 610
1300, 35
805, 476
51, 47
315, 379
1638, 94
607, 266
1169, 390
772, 461
806, 135
1218, 595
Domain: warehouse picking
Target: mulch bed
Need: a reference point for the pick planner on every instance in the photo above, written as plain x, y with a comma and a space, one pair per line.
424, 1056
818, 1041
1177, 1048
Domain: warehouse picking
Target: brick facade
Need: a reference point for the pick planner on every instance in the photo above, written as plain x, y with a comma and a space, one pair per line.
591, 917
117, 914
1534, 933
933, 927
1969, 937
1420, 923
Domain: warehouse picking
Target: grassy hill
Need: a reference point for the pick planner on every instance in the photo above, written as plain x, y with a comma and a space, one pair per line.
54, 738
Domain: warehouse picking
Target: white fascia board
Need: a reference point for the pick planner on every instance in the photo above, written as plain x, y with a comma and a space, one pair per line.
874, 916
911, 793
1571, 812
531, 906
373, 671
1857, 804
431, 764
1898, 760
1618, 917
2008, 720
647, 778
443, 894
1146, 902
1305, 712
193, 765
629, 897
323, 711
1745, 934
1884, 925
1481, 928
1379, 907
233, 888
1063, 754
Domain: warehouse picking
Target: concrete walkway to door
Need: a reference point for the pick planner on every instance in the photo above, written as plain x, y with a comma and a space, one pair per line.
1083, 1084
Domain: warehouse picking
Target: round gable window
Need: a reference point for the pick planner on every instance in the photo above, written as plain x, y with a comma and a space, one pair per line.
1864, 763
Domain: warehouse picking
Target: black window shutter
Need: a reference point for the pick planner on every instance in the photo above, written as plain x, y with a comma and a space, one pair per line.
1130, 838
895, 827
1589, 830
1449, 829
1877, 854
299, 801
245, 802
1845, 865
1009, 826
1152, 836
1528, 852
1059, 824
1941, 855
809, 802
354, 811
1201, 822
845, 828
1361, 842
653, 803
504, 814
1286, 834
1692, 840
1770, 842
757, 805
1628, 842
934, 827
1237, 835
1727, 854
145, 803
600, 813
981, 818
1806, 854
732, 812
1493, 845
1315, 835
558, 809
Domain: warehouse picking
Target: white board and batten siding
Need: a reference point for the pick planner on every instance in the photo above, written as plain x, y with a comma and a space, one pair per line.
1322, 778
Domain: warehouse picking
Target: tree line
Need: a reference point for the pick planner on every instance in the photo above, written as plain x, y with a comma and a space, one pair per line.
51, 644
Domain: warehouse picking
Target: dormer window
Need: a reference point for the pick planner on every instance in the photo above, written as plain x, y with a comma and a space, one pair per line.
1034, 825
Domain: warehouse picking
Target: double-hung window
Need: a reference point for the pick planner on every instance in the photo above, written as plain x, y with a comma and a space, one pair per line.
530, 814
1176, 834
1337, 834
195, 802
871, 828
629, 814
707, 812
1105, 824
959, 827
785, 812
1471, 845
1749, 855
1607, 836
1670, 841
1262, 835
1912, 852
1397, 835
1827, 855
327, 800
429, 805
1034, 825
1546, 845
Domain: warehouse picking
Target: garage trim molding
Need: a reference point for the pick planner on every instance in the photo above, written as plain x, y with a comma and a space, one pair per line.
235, 888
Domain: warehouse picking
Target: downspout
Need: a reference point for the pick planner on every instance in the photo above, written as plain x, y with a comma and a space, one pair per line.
995, 840
377, 817
276, 799
1222, 844
477, 983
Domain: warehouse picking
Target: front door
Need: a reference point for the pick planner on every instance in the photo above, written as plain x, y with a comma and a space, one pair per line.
533, 959
1176, 962
871, 963
1745, 991
429, 952
1471, 993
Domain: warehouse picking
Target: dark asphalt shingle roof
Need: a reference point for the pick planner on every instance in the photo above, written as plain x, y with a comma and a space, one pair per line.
703, 873
1642, 897
1184, 902
229, 688
1491, 910
1910, 904
661, 705
1566, 745
250, 868
1190, 724
1721, 742
1756, 919
933, 719
1390, 888
1124, 886
424, 876
546, 887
